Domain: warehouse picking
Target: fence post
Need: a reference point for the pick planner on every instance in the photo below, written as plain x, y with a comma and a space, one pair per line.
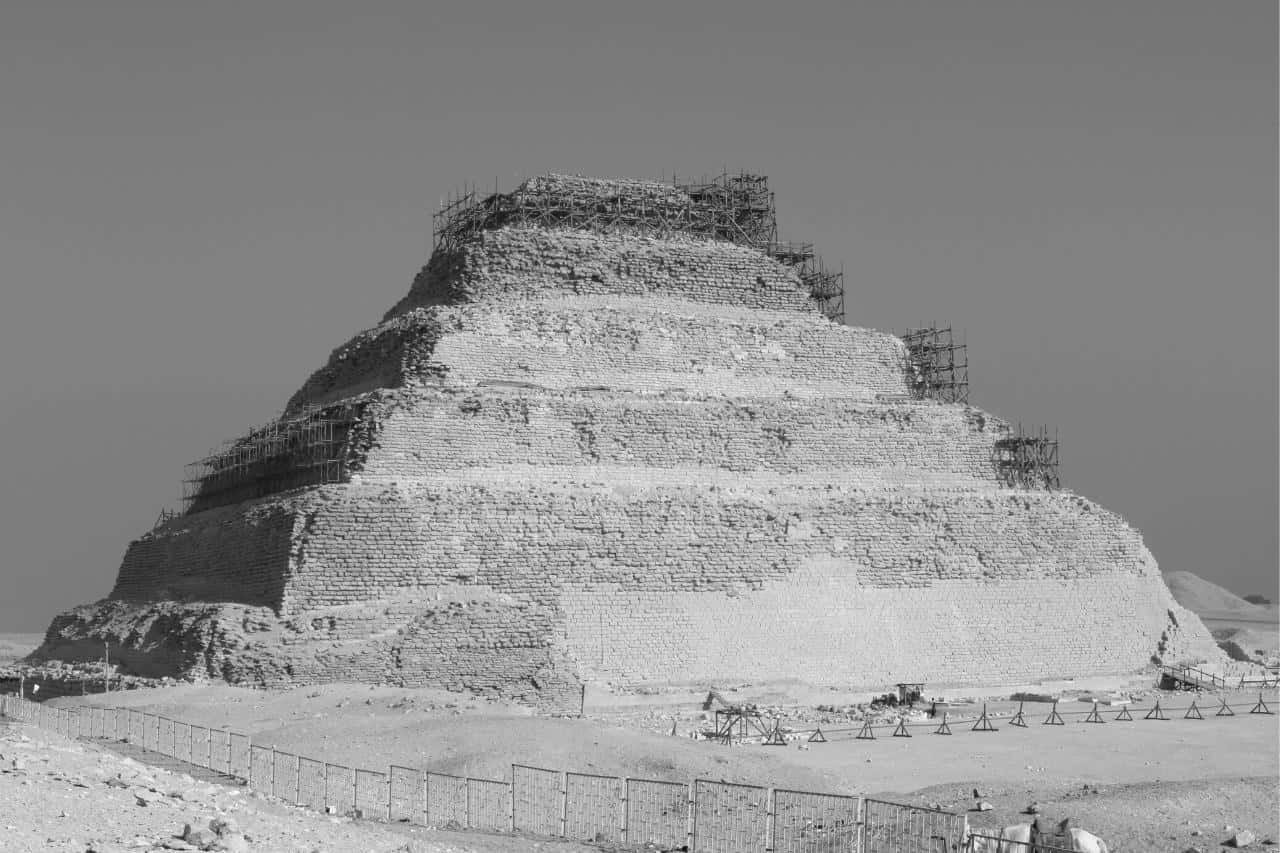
273, 769
690, 818
390, 770
622, 813
769, 805
564, 803
426, 797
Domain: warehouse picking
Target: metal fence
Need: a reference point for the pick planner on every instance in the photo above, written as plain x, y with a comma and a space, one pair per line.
981, 843
705, 817
897, 828
446, 801
729, 818
537, 800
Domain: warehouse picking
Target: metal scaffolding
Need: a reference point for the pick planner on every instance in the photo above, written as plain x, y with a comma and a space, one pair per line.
307, 449
940, 365
738, 208
1027, 460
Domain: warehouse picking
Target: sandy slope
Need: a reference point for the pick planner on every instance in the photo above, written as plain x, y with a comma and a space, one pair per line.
58, 794
1200, 596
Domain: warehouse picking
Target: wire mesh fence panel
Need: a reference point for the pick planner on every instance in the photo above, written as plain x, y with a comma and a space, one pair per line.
371, 793
182, 741
657, 813
339, 788
592, 807
151, 732
285, 774
898, 828
982, 841
729, 818
537, 806
164, 736
805, 822
406, 795
200, 746
261, 767
220, 750
239, 757
311, 783
136, 723
446, 800
489, 805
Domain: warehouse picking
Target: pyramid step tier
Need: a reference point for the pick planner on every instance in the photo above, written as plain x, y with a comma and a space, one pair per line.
524, 262
623, 343
527, 535
422, 432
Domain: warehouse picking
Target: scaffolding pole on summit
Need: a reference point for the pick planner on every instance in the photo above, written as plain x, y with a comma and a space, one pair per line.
738, 208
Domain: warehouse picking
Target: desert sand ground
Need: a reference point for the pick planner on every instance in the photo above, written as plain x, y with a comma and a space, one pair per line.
1145, 785
63, 795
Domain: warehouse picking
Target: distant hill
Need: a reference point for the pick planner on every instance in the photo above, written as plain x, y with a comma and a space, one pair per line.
1201, 596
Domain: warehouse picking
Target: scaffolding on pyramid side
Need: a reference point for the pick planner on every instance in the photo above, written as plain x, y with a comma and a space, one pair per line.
1027, 460
940, 364
307, 449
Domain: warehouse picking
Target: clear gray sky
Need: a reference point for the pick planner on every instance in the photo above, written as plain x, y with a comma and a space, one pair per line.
198, 201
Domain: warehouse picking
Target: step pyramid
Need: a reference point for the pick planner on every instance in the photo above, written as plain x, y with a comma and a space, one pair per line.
612, 435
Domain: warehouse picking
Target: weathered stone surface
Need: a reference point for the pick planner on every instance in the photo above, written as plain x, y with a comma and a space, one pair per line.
618, 458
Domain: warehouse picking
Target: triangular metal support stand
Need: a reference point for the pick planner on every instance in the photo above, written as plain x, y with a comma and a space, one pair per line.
1054, 718
1261, 707
1018, 719
1124, 714
945, 728
775, 737
817, 737
1225, 710
1155, 713
1094, 716
1193, 713
901, 730
866, 733
984, 723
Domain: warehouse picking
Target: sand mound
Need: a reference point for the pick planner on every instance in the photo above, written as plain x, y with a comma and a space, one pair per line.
1201, 596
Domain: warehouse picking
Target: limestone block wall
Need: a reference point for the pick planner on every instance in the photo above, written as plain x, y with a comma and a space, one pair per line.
643, 345
485, 643
822, 626
526, 539
424, 432
499, 580
524, 263
226, 554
